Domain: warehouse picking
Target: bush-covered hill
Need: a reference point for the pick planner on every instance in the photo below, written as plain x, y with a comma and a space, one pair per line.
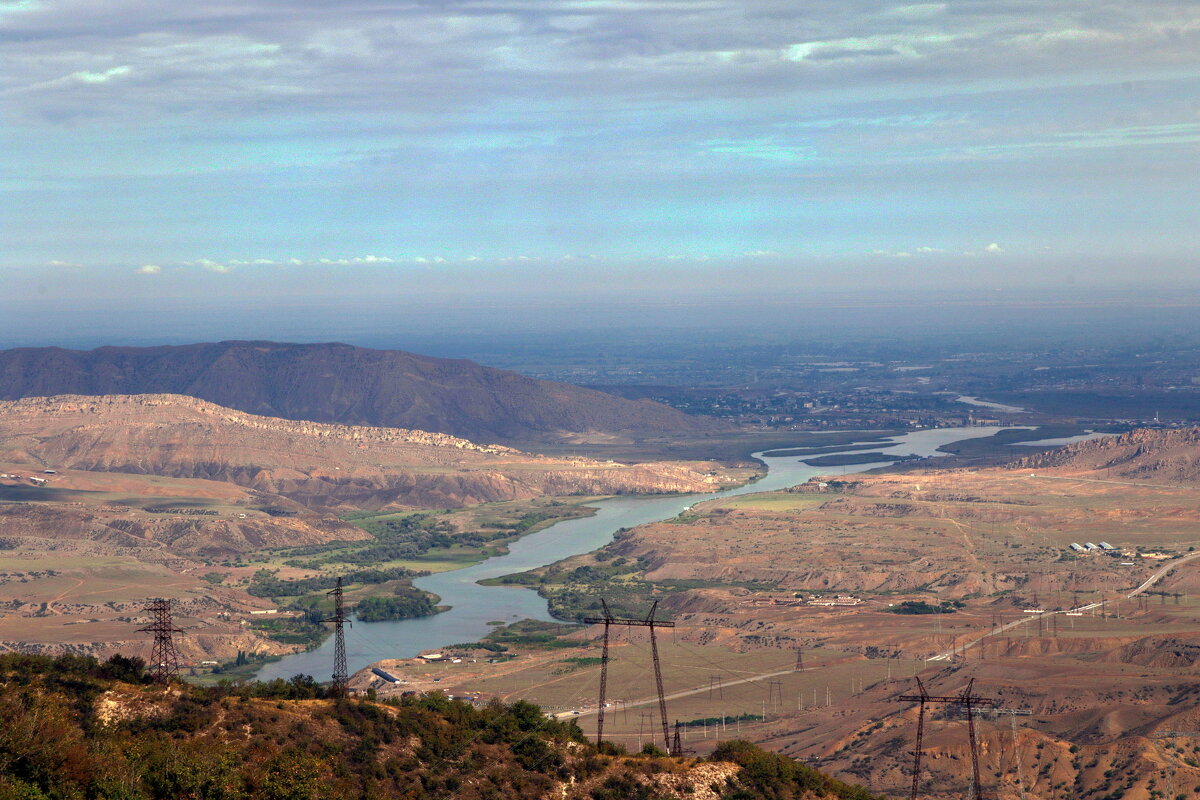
76, 728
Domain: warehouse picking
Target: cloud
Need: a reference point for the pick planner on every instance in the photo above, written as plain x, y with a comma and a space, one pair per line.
213, 266
107, 75
765, 149
993, 248
149, 269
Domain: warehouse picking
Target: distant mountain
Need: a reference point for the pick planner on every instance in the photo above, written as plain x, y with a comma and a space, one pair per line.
343, 384
1168, 456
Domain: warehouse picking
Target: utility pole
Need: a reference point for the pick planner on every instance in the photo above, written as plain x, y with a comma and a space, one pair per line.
775, 690
677, 744
799, 660
164, 658
650, 622
340, 672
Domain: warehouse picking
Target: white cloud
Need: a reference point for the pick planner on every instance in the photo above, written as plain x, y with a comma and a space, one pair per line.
993, 248
213, 266
766, 149
86, 76
149, 269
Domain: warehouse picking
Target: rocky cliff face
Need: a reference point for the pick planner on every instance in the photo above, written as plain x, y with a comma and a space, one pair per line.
342, 384
1171, 456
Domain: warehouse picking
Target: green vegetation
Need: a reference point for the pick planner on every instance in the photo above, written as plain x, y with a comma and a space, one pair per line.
406, 603
726, 720
771, 775
922, 607
266, 583
427, 537
306, 630
75, 729
531, 634
573, 593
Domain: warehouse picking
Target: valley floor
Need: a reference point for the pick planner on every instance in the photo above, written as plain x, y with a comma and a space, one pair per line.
1104, 696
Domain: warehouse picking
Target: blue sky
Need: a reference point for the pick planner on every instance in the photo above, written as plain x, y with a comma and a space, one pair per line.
301, 149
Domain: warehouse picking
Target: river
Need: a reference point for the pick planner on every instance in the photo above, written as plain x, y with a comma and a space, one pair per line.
473, 606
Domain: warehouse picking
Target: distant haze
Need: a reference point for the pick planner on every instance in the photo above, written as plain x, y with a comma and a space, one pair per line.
475, 326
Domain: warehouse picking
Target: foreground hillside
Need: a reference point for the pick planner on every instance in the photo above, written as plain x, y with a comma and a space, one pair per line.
75, 728
801, 616
349, 385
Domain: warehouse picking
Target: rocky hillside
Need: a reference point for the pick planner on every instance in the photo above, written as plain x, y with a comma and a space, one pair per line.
343, 384
77, 728
318, 465
1168, 456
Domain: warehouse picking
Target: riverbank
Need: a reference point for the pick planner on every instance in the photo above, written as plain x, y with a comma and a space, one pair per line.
474, 606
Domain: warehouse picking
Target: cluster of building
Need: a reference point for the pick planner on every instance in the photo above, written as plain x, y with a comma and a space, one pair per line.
1089, 547
838, 600
34, 479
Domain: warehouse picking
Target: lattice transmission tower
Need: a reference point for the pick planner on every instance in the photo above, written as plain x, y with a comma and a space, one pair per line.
970, 703
608, 620
341, 674
164, 658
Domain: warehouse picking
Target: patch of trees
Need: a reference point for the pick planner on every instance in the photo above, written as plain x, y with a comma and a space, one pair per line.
922, 607
275, 511
289, 740
407, 537
406, 603
770, 775
266, 583
194, 512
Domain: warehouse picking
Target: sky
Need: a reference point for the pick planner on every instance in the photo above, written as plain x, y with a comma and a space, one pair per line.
291, 155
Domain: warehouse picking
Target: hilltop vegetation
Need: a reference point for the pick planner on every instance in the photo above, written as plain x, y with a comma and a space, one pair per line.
77, 728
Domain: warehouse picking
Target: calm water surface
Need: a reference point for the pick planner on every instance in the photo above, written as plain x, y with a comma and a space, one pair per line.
474, 606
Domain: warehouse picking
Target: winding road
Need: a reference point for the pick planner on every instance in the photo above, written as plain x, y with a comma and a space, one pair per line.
1154, 578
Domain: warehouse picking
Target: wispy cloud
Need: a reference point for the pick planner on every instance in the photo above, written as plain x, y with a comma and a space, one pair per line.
424, 131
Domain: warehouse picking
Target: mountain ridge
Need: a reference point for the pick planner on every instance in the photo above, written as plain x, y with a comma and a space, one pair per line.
1142, 454
340, 383
316, 464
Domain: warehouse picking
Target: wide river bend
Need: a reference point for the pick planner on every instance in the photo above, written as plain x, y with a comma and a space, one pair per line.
473, 606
